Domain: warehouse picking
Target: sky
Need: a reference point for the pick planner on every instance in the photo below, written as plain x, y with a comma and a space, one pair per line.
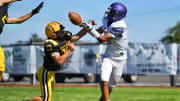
147, 20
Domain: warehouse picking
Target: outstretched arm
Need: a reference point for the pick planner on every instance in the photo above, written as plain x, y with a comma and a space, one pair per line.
97, 33
12, 20
7, 1
107, 36
80, 34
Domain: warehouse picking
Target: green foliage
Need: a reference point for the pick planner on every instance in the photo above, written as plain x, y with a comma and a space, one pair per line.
92, 94
35, 38
173, 35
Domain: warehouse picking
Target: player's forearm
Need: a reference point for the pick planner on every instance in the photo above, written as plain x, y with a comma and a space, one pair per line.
25, 17
100, 30
105, 38
20, 19
7, 1
80, 34
102, 39
62, 59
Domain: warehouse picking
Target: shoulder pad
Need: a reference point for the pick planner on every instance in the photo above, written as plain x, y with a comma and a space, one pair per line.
51, 46
118, 27
120, 23
53, 42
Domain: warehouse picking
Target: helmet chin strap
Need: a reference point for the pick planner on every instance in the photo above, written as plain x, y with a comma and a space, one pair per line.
110, 22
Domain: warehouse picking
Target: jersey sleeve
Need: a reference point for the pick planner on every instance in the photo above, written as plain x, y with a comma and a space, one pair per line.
118, 28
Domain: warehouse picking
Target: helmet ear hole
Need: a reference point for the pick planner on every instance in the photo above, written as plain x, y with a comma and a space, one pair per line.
54, 35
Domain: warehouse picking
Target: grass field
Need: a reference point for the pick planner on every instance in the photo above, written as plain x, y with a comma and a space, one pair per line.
92, 94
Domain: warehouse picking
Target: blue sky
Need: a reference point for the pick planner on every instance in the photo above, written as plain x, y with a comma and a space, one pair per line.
147, 20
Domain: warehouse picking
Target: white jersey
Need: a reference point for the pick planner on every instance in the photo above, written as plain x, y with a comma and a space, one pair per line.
116, 47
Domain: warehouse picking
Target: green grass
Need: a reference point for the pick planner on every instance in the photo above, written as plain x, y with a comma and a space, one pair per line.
92, 94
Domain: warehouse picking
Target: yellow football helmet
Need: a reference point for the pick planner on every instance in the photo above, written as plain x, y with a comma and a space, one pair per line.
52, 28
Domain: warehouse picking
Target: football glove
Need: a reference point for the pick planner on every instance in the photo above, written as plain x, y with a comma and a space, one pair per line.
37, 9
88, 25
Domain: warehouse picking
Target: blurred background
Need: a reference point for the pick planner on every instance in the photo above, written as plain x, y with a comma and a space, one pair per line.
151, 25
148, 21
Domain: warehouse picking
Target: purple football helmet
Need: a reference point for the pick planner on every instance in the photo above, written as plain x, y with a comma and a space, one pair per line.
116, 11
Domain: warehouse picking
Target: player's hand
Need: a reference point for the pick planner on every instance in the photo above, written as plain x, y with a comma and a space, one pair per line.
93, 22
37, 9
71, 46
88, 25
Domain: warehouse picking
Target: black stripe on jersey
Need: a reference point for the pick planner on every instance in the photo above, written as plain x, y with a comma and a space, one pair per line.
45, 84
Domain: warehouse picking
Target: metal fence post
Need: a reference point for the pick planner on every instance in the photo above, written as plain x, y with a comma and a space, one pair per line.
172, 80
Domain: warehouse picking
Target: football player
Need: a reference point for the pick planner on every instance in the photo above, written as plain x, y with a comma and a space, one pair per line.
58, 45
115, 34
4, 19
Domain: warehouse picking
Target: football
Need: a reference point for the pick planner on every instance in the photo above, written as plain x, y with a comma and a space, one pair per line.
75, 18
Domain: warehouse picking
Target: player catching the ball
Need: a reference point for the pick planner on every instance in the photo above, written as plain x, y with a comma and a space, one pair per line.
115, 34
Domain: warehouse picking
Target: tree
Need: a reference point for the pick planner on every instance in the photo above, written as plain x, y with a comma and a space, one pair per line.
35, 38
173, 35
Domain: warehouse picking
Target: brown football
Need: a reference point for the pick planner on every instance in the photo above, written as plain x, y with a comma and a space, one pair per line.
75, 18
